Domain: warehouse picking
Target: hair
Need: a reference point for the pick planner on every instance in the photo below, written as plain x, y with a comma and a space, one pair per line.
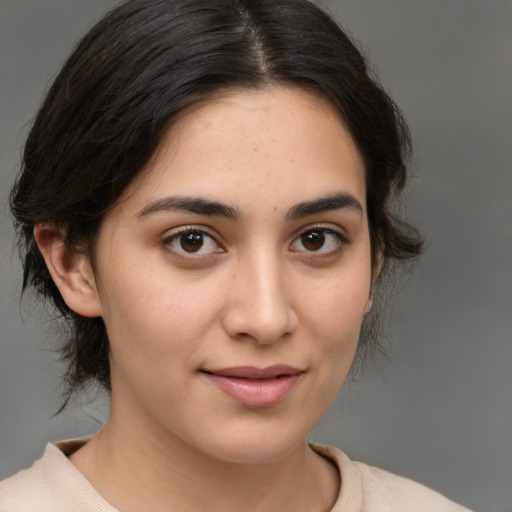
125, 83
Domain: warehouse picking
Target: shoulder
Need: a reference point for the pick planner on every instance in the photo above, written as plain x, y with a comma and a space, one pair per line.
377, 490
27, 489
403, 493
52, 484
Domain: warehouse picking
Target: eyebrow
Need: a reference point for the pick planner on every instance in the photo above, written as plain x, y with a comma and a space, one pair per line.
197, 205
202, 206
323, 204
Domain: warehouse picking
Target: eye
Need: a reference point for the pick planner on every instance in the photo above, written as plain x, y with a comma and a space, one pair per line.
192, 242
319, 240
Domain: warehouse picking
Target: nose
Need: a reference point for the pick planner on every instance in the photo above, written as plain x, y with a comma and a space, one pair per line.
259, 305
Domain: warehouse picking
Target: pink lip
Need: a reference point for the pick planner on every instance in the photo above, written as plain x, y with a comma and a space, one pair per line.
255, 387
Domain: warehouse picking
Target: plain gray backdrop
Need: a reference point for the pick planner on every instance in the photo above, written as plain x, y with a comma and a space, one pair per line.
440, 410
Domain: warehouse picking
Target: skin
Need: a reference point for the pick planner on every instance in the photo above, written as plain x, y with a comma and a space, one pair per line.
256, 293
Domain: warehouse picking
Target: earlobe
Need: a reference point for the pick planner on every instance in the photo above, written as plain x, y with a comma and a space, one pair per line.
377, 267
71, 271
376, 271
369, 304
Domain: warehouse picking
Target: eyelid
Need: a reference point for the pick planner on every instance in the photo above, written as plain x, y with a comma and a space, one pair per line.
336, 231
175, 233
333, 228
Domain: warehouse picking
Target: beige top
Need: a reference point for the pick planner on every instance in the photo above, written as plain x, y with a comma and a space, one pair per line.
53, 484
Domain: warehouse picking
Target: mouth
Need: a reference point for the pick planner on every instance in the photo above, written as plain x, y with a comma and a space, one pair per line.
255, 387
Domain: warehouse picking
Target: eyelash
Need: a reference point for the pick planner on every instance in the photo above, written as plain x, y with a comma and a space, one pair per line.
175, 237
340, 241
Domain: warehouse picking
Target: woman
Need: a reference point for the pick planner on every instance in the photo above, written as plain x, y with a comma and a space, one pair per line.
205, 197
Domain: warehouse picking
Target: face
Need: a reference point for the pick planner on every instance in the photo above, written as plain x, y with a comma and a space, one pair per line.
234, 274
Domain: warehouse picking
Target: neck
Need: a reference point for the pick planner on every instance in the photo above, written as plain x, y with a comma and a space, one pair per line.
135, 468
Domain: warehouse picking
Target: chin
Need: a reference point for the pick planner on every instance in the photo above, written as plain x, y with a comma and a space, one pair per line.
258, 449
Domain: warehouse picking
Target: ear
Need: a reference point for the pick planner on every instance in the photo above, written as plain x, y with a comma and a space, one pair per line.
376, 270
377, 267
71, 272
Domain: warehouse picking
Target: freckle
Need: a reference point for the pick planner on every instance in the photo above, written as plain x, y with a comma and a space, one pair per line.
255, 150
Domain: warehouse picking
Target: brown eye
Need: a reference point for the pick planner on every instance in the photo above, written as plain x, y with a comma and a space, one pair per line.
192, 241
323, 241
313, 240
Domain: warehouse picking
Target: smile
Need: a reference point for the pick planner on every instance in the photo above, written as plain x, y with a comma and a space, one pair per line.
255, 387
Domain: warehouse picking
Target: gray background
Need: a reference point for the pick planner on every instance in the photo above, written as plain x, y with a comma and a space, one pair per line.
440, 410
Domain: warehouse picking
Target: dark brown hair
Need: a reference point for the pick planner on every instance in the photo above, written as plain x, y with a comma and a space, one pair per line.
129, 77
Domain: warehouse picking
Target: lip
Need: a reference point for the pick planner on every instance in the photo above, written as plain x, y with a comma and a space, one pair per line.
255, 387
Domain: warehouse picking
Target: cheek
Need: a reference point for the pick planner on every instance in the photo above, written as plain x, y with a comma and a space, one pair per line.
154, 315
335, 312
334, 322
338, 307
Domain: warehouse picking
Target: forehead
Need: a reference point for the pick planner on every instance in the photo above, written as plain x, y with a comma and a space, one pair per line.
246, 146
